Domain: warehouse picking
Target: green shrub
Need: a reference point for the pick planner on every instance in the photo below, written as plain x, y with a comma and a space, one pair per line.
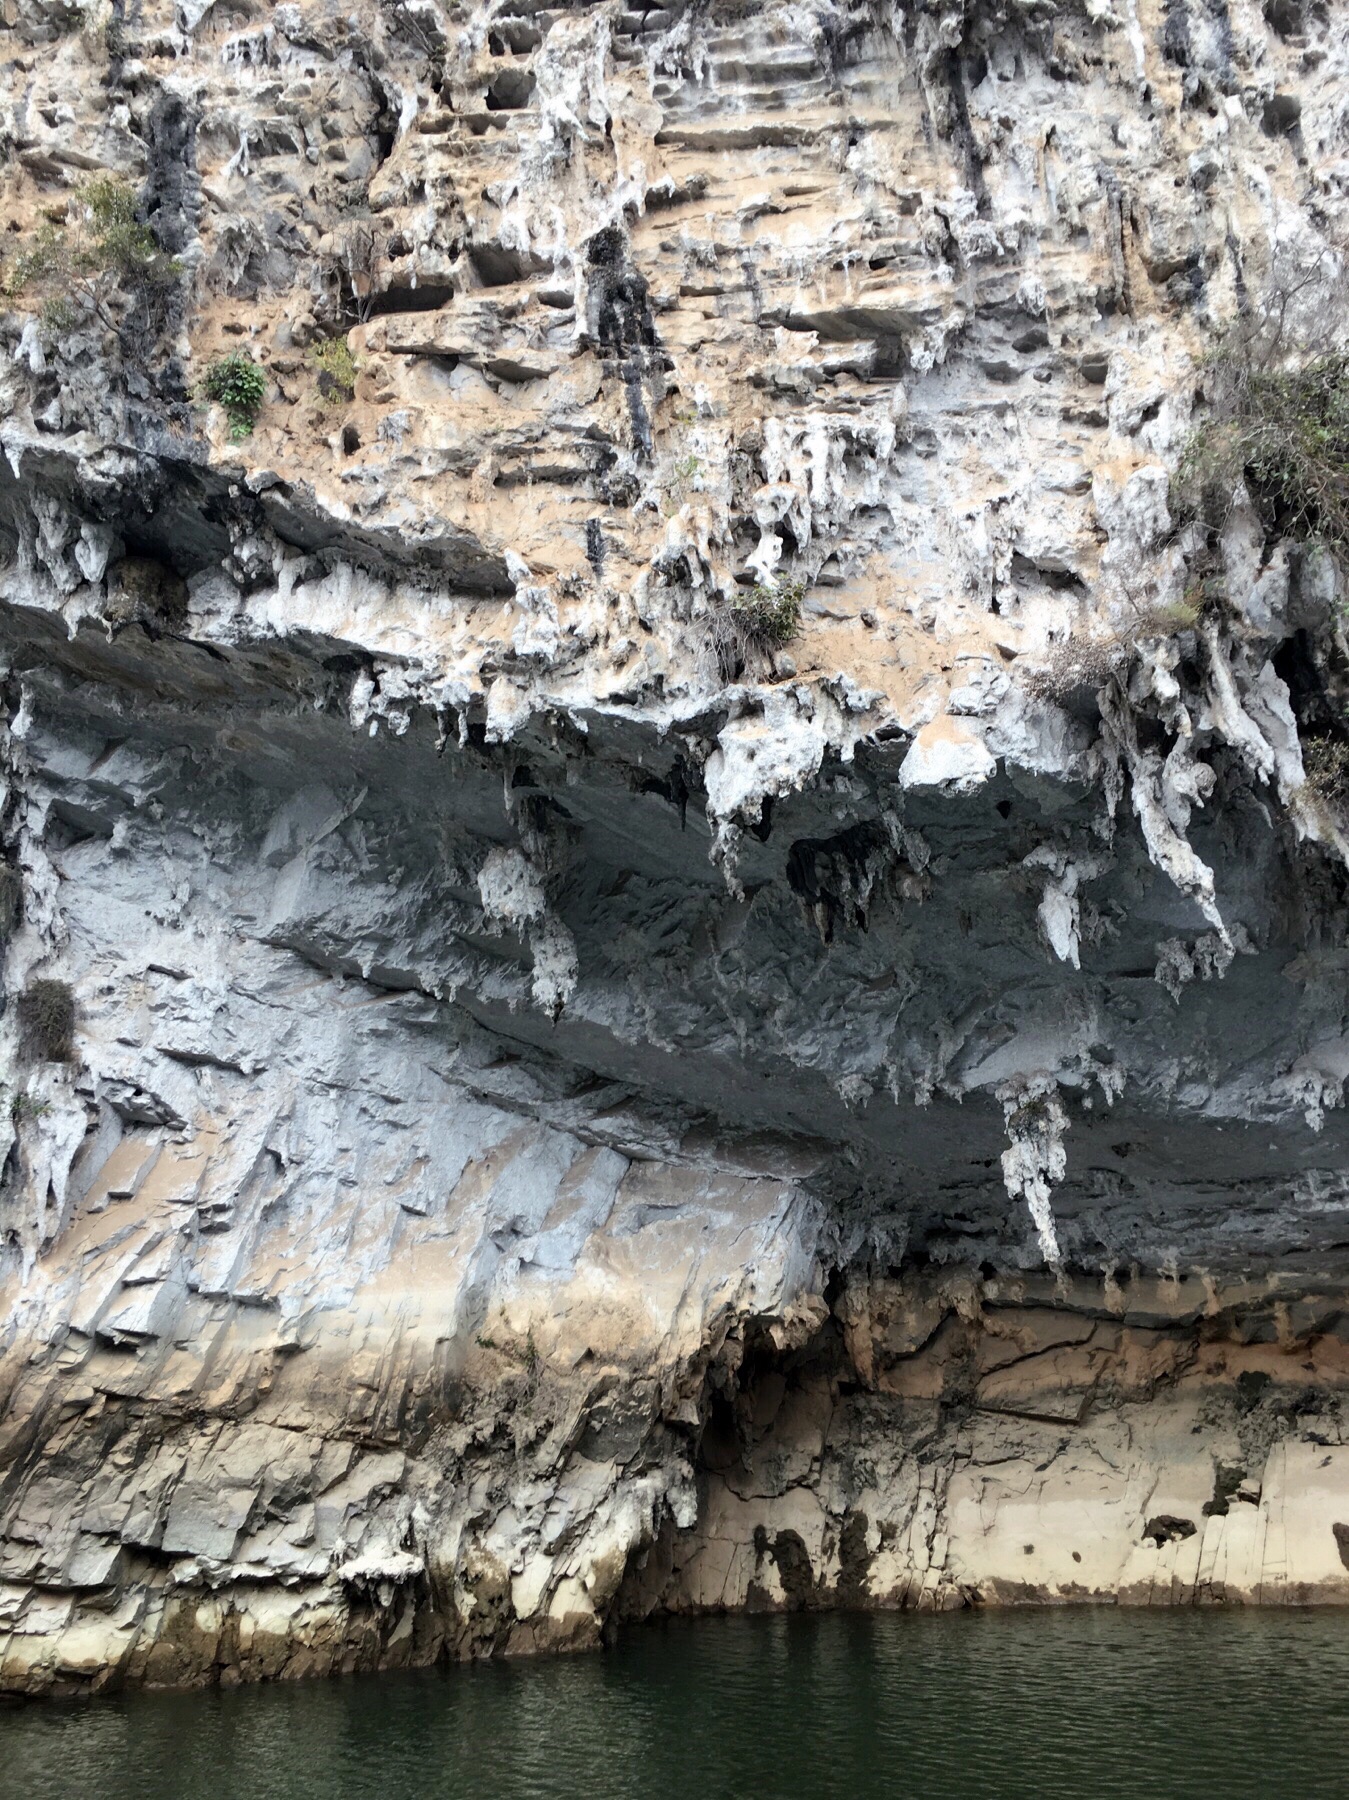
58, 316
47, 1020
120, 238
337, 369
770, 612
239, 385
99, 245
1278, 419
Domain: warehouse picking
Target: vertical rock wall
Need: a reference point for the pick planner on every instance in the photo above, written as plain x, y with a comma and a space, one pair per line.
581, 1100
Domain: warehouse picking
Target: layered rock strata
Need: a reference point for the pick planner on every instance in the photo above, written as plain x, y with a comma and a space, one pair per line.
576, 1109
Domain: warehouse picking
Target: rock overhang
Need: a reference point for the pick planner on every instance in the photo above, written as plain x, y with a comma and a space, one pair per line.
884, 960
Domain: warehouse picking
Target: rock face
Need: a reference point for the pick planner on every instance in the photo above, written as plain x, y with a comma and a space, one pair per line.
580, 1104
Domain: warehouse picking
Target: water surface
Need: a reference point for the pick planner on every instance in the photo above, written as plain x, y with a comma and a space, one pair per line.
1074, 1705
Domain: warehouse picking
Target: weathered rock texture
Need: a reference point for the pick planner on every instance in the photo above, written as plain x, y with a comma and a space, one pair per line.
574, 1111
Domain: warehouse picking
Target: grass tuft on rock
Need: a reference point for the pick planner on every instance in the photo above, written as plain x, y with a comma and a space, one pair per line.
770, 612
1325, 761
46, 1010
1079, 664
337, 370
11, 901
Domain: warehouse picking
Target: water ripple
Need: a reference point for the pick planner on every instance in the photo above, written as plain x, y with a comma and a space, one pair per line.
1081, 1705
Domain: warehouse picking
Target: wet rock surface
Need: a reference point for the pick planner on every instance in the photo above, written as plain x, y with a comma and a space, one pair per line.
574, 1110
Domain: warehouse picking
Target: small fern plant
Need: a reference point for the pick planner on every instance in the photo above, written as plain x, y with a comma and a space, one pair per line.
239, 385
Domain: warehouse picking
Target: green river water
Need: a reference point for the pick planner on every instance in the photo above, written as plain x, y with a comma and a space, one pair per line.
1050, 1705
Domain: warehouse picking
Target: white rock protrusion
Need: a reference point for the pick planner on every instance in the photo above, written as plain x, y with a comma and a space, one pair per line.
513, 898
1034, 1162
948, 755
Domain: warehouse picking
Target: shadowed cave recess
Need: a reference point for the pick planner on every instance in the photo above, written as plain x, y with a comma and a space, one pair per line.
575, 1106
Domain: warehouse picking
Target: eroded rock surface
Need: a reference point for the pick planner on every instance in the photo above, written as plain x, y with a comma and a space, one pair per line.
577, 1109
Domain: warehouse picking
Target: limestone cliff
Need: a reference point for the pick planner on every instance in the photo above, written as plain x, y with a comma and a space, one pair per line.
583, 1098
